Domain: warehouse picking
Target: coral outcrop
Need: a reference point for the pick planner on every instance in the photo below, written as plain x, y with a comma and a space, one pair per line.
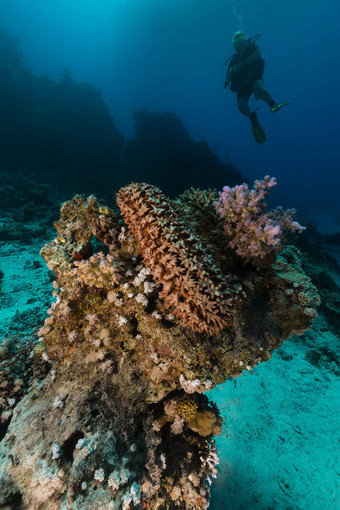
152, 308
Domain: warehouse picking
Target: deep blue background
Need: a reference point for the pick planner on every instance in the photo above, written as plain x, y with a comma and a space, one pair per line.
168, 56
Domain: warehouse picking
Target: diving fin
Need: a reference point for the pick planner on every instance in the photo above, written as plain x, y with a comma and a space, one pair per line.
278, 107
258, 133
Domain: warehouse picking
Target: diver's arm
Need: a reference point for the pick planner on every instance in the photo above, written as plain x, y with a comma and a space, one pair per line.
227, 79
230, 70
228, 76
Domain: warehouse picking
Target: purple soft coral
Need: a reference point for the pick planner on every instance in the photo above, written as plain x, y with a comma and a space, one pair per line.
254, 235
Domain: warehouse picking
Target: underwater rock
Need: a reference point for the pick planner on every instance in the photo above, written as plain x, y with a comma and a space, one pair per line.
293, 292
165, 155
28, 207
16, 372
328, 289
152, 309
55, 131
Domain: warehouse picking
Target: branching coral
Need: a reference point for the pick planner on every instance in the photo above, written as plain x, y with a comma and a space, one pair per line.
256, 236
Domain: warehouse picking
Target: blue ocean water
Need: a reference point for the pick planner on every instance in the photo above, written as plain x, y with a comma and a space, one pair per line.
168, 56
277, 446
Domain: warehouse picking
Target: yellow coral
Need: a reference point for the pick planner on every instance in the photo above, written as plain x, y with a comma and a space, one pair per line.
39, 349
186, 408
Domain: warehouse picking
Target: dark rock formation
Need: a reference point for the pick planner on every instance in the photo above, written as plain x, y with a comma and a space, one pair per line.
163, 154
60, 132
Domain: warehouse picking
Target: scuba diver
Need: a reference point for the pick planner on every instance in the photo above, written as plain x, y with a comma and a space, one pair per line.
244, 75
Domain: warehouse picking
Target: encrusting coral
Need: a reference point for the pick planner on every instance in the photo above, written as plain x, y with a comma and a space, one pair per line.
152, 308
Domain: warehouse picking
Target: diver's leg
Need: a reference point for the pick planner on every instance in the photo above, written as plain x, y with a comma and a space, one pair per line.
257, 129
242, 103
261, 92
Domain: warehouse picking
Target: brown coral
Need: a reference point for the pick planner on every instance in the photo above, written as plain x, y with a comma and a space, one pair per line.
186, 408
204, 422
193, 285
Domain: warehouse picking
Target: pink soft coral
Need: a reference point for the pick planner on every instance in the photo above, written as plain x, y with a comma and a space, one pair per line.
254, 235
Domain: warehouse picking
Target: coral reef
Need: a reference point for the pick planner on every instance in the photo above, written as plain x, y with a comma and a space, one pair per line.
152, 308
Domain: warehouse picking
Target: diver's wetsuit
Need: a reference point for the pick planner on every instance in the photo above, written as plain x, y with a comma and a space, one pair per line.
242, 81
248, 80
244, 76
